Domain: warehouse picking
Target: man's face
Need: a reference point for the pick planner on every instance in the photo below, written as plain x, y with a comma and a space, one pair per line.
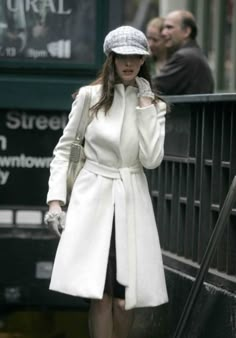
174, 35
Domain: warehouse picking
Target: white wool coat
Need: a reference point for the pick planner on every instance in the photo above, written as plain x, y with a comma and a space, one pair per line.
112, 182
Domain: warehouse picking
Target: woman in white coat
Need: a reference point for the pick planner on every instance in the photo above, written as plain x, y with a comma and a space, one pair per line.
109, 250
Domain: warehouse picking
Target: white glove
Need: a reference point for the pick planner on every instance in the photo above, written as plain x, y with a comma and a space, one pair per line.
55, 221
144, 88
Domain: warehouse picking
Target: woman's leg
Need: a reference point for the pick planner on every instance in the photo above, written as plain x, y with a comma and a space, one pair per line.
122, 319
100, 318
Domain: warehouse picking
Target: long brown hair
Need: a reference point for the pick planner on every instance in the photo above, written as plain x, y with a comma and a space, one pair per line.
108, 78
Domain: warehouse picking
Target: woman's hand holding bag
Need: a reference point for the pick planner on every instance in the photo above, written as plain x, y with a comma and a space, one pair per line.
55, 218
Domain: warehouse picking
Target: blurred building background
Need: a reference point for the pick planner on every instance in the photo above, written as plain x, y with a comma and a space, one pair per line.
27, 26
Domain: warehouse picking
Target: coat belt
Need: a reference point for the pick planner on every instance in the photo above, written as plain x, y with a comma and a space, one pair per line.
125, 224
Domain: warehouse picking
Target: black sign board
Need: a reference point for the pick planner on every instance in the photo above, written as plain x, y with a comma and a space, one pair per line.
27, 140
61, 30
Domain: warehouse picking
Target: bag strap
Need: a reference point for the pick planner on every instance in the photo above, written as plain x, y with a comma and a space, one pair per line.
84, 121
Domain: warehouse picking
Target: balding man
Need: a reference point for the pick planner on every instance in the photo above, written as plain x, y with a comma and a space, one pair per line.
187, 70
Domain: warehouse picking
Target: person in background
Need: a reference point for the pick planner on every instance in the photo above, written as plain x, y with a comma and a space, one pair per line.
109, 249
13, 30
187, 70
156, 45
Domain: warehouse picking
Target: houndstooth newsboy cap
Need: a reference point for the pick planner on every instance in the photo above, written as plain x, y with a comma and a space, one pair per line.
126, 40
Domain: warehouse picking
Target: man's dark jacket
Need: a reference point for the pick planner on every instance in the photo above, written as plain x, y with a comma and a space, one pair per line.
186, 72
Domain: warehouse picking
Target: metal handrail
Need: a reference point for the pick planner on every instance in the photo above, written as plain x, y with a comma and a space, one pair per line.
217, 232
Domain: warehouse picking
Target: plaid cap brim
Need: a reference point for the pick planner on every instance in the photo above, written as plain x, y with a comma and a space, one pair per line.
126, 50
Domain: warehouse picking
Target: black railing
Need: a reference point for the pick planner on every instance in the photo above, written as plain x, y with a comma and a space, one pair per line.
190, 186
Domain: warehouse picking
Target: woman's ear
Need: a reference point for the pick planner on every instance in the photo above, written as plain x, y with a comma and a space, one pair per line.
142, 60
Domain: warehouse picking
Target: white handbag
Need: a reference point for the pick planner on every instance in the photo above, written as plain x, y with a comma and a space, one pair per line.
77, 156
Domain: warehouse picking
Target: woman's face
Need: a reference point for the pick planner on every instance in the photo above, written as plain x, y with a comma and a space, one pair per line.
155, 40
127, 67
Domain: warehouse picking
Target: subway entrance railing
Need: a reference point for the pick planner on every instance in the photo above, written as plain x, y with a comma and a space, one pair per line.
191, 184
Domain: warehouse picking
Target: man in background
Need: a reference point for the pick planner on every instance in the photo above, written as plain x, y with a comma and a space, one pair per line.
187, 70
